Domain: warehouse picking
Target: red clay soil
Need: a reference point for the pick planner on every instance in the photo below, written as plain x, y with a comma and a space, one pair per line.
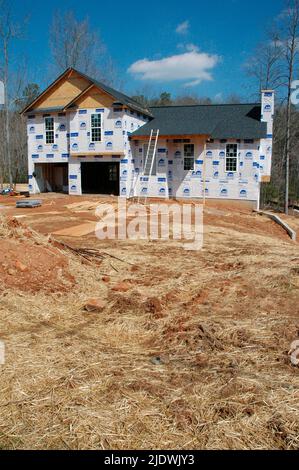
247, 223
33, 268
220, 215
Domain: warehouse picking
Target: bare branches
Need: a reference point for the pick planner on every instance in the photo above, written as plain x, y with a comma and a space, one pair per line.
8, 28
12, 126
8, 31
273, 66
265, 66
73, 44
290, 40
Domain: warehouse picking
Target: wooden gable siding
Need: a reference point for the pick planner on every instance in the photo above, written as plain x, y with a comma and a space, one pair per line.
63, 92
94, 98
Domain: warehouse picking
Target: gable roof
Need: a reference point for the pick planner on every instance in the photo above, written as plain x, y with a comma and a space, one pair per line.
237, 121
29, 107
120, 97
123, 99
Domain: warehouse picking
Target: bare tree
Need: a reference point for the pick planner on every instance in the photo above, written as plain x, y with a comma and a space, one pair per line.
273, 66
290, 41
12, 125
28, 95
19, 148
265, 65
8, 32
74, 44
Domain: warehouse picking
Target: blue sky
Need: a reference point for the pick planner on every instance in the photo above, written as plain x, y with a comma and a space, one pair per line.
205, 43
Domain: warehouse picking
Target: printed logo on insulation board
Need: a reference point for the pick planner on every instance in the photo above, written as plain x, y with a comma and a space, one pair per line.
223, 192
124, 175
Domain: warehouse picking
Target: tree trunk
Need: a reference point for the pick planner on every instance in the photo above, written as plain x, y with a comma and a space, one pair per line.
7, 127
287, 159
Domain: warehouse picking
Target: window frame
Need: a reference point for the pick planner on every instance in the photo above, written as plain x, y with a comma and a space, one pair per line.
188, 157
49, 130
227, 157
98, 127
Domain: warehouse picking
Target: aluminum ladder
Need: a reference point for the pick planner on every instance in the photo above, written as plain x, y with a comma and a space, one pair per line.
150, 156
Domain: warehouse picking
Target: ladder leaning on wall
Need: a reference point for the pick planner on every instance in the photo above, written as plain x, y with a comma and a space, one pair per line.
150, 157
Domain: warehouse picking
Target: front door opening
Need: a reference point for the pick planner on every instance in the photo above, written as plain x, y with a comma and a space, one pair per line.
51, 177
100, 178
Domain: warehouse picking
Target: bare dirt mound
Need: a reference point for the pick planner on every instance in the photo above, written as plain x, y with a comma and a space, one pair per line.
29, 263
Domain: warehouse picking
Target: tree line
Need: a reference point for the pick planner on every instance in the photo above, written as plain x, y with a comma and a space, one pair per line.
275, 64
72, 43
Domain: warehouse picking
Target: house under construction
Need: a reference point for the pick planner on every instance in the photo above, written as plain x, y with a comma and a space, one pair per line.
85, 137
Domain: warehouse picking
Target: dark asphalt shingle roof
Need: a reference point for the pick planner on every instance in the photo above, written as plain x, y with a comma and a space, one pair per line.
235, 121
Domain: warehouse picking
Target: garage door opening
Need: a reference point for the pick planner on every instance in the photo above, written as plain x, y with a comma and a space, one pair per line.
100, 178
51, 177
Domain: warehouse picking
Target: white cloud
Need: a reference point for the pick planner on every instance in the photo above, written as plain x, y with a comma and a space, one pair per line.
191, 67
183, 28
191, 47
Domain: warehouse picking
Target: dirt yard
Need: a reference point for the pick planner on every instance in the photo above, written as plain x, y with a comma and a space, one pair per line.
176, 350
